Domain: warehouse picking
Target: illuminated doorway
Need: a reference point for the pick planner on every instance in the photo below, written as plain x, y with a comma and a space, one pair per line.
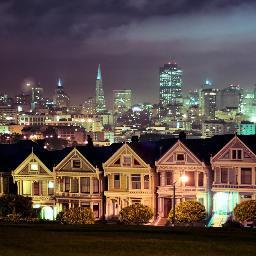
225, 202
47, 213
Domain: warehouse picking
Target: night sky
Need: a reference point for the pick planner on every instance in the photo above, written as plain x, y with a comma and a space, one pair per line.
44, 39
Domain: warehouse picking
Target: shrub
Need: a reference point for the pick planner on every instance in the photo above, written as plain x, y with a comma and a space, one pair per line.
246, 211
15, 204
188, 212
232, 224
60, 217
136, 214
78, 215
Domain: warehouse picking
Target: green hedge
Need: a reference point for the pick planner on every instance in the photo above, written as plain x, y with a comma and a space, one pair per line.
136, 214
188, 212
246, 211
77, 215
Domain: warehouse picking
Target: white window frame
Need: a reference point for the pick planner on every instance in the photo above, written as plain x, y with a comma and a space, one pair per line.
236, 149
76, 159
180, 154
31, 169
123, 157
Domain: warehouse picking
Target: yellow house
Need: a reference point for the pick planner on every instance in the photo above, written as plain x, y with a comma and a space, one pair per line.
130, 180
79, 182
35, 179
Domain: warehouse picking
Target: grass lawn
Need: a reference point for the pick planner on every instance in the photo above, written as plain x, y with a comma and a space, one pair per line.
112, 240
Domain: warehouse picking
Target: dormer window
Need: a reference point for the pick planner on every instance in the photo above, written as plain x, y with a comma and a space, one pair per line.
180, 157
76, 163
34, 166
127, 160
236, 154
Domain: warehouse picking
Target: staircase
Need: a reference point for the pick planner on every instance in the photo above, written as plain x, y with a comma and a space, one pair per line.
161, 222
217, 220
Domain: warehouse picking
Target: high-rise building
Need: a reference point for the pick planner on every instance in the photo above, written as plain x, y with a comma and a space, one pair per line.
122, 101
170, 84
88, 107
248, 104
61, 99
208, 101
5, 100
229, 98
36, 97
23, 102
100, 99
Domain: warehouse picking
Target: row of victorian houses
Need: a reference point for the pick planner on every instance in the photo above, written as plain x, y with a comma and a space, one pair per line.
221, 173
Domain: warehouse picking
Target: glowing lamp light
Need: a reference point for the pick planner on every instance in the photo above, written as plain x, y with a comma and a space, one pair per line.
36, 206
184, 178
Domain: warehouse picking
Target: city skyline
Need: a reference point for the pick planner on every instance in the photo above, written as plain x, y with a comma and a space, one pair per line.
71, 44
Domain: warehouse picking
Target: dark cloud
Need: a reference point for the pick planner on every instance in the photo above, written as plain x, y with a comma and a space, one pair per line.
131, 38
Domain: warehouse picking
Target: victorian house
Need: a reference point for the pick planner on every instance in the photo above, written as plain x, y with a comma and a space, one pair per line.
130, 178
78, 181
182, 158
234, 167
34, 179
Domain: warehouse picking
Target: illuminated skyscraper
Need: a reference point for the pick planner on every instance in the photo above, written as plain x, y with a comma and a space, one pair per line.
61, 99
36, 97
170, 84
208, 101
122, 101
100, 99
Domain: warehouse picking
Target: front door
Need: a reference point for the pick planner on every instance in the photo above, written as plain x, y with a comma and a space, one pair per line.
167, 206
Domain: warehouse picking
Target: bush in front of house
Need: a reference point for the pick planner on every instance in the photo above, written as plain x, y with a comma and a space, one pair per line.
246, 211
77, 215
15, 204
136, 214
189, 212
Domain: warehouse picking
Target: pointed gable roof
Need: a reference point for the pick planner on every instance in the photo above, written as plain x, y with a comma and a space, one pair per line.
248, 141
177, 147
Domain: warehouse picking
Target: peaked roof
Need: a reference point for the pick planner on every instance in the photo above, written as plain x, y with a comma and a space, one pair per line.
11, 155
99, 77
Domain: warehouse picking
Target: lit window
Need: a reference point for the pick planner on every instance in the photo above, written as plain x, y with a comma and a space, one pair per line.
34, 166
50, 188
26, 187
51, 184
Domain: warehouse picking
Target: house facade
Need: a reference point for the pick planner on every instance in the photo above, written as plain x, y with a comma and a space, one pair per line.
234, 181
5, 181
78, 183
130, 181
34, 179
180, 161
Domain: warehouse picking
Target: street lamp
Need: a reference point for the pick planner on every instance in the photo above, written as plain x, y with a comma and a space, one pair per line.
183, 179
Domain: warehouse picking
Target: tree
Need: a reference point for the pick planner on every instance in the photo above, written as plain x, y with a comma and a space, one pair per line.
78, 215
188, 212
15, 204
246, 211
136, 214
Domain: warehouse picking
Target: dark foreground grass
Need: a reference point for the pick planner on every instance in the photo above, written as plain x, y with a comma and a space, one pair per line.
112, 240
